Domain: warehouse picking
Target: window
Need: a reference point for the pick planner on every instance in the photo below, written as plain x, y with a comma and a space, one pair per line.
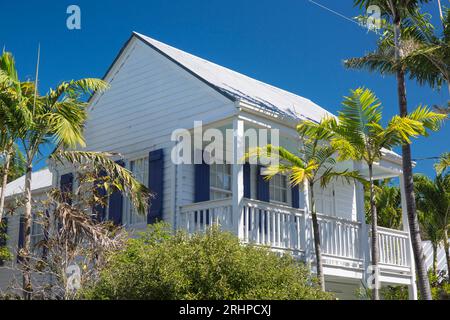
139, 168
278, 188
37, 232
220, 175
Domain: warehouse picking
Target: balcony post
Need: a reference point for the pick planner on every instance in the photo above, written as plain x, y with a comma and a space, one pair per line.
412, 288
238, 177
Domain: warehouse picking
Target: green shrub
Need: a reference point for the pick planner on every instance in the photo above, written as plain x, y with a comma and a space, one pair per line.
211, 266
440, 286
395, 293
5, 255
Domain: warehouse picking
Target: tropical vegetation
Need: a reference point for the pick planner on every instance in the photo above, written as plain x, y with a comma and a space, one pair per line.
55, 118
408, 47
358, 134
314, 165
433, 203
158, 265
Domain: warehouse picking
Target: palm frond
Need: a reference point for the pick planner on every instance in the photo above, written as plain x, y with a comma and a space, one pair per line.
443, 164
347, 176
77, 88
121, 178
429, 119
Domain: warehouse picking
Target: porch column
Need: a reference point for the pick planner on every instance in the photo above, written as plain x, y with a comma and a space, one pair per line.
364, 247
238, 177
412, 288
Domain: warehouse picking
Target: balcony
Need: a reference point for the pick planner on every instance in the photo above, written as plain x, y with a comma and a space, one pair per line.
285, 229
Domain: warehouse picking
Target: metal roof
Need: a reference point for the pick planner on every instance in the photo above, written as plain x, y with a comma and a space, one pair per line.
240, 87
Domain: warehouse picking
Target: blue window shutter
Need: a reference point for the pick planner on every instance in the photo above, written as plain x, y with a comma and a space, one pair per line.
156, 185
46, 235
295, 197
3, 231
116, 203
263, 192
21, 237
202, 182
247, 181
3, 235
99, 210
66, 185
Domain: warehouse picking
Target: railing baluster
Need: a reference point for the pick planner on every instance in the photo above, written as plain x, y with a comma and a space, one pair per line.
289, 230
390, 250
254, 224
263, 226
274, 228
283, 227
246, 208
381, 249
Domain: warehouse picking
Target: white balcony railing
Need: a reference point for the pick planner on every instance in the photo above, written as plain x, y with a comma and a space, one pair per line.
276, 226
199, 216
393, 245
284, 228
339, 237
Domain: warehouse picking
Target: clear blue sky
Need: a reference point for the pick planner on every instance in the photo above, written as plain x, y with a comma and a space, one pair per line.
293, 44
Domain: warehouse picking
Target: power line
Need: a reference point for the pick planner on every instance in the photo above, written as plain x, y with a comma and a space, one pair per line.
334, 12
359, 24
428, 158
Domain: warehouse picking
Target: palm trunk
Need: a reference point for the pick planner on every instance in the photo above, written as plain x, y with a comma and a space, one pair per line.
435, 251
4, 182
27, 286
316, 233
413, 221
447, 253
374, 238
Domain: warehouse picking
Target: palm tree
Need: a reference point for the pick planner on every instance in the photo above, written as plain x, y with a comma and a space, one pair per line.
433, 201
59, 118
14, 116
357, 134
315, 164
443, 164
404, 28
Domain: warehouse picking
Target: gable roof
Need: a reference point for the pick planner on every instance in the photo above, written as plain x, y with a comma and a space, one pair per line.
237, 86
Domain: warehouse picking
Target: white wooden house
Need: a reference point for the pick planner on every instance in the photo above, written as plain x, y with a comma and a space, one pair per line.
157, 89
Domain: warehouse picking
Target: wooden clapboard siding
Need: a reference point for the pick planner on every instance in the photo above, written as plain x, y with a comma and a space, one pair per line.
149, 98
7, 275
345, 200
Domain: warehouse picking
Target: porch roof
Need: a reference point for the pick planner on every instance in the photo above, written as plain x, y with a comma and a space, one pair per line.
40, 180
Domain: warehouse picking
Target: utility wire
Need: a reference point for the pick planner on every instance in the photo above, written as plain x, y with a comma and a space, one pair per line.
334, 12
428, 158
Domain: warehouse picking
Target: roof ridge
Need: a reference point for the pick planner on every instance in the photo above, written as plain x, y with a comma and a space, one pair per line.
238, 86
218, 65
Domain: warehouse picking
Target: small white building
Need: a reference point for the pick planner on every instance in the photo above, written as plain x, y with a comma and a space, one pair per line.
156, 90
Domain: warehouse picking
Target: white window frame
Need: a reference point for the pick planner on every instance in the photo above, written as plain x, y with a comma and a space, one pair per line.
37, 231
286, 188
129, 215
224, 174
